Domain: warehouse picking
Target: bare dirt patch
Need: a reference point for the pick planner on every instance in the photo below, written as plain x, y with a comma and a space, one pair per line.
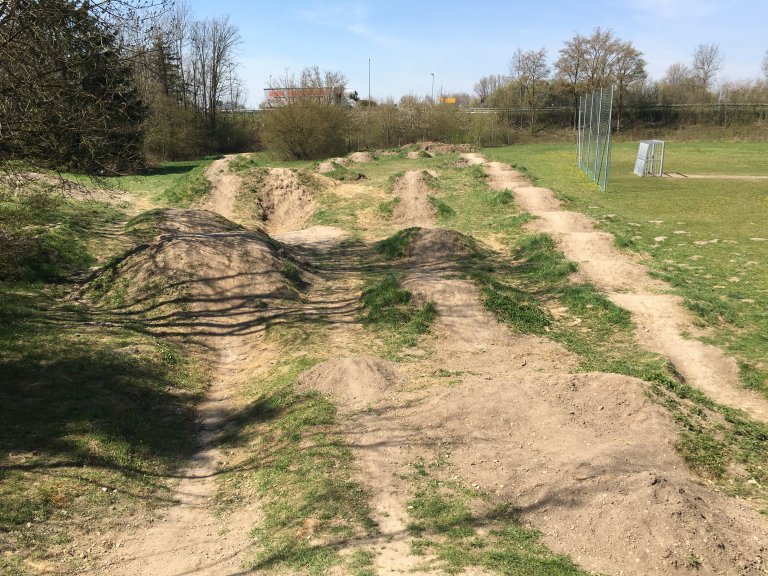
360, 157
414, 208
224, 187
437, 148
286, 203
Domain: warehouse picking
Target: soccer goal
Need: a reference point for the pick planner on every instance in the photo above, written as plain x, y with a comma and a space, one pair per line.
593, 147
650, 158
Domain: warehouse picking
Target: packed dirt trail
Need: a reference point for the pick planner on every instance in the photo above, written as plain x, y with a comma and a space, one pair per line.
661, 318
224, 187
190, 537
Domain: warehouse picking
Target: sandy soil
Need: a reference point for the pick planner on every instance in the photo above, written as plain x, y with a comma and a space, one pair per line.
224, 188
414, 208
661, 318
286, 203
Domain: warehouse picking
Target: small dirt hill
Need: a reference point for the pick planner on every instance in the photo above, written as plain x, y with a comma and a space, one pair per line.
200, 274
357, 380
286, 202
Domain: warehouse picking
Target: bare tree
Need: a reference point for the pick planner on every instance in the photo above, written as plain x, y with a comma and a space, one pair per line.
678, 84
530, 68
572, 67
764, 65
487, 85
213, 44
628, 68
707, 62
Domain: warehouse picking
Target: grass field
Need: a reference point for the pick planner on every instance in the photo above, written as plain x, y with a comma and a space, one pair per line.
706, 237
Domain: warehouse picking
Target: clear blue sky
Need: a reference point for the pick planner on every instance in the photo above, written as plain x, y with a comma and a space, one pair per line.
459, 42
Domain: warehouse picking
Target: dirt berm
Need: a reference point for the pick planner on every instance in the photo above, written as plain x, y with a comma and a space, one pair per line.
200, 274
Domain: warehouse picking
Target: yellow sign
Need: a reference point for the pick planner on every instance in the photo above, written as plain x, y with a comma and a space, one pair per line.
450, 100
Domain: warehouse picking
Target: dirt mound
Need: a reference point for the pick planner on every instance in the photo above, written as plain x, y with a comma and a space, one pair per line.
178, 221
355, 382
330, 165
596, 472
286, 202
414, 208
224, 187
438, 245
181, 277
360, 157
436, 148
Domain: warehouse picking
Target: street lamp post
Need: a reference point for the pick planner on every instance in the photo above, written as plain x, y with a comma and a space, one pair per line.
433, 87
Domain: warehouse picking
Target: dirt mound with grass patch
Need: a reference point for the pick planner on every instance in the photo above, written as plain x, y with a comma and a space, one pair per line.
286, 202
414, 208
355, 382
437, 148
160, 221
360, 157
227, 275
438, 245
330, 165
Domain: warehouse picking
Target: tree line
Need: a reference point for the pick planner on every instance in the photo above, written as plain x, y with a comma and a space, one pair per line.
587, 63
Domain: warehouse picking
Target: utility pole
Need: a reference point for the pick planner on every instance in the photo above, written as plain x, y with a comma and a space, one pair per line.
369, 82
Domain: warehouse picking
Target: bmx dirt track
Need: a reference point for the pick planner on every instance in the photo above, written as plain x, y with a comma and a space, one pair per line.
586, 458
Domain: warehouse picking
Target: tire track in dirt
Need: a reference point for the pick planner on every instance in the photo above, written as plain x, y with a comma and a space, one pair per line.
661, 318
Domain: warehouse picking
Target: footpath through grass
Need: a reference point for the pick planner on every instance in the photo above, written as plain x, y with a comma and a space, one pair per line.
707, 237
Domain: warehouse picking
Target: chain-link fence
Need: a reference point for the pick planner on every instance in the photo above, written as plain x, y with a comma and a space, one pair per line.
594, 135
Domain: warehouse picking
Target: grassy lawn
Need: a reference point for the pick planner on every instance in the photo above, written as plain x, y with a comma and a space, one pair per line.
703, 235
174, 184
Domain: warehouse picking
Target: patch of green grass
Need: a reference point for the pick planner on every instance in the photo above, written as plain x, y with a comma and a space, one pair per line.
47, 237
431, 181
343, 173
386, 209
389, 310
398, 245
167, 180
754, 378
297, 459
184, 192
361, 562
444, 211
246, 162
444, 527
